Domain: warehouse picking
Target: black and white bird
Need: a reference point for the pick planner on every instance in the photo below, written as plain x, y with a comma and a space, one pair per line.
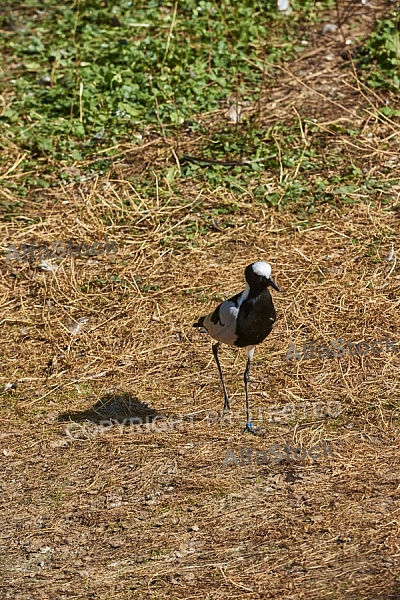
244, 321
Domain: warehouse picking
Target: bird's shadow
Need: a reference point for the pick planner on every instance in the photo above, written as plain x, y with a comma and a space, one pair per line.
114, 408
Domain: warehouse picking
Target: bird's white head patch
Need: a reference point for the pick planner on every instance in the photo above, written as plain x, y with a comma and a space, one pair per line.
262, 268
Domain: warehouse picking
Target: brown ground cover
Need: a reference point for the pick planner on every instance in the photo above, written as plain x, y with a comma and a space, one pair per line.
95, 505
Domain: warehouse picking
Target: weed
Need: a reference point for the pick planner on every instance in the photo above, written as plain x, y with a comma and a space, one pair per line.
380, 60
108, 72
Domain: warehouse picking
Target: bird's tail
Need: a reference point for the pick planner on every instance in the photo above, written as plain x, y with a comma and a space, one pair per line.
200, 322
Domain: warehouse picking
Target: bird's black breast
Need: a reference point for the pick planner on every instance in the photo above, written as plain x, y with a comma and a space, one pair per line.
255, 319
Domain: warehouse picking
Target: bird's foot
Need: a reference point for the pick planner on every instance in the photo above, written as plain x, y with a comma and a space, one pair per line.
260, 431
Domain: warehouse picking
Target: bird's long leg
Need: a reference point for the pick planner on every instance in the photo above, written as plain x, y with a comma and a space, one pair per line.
226, 397
249, 424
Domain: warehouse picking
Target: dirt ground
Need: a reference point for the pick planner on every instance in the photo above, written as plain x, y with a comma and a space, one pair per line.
119, 480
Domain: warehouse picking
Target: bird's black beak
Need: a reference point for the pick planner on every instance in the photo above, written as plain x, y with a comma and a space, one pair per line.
272, 283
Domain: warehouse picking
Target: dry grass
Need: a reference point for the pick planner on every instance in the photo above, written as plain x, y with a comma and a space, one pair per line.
151, 512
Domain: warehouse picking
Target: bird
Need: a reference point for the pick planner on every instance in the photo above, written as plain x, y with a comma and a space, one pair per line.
244, 321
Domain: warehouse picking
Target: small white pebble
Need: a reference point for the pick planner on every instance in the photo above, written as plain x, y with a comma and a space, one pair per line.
48, 266
9, 386
329, 28
234, 112
283, 5
391, 256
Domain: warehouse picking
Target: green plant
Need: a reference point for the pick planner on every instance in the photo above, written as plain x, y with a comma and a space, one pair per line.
80, 77
381, 54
